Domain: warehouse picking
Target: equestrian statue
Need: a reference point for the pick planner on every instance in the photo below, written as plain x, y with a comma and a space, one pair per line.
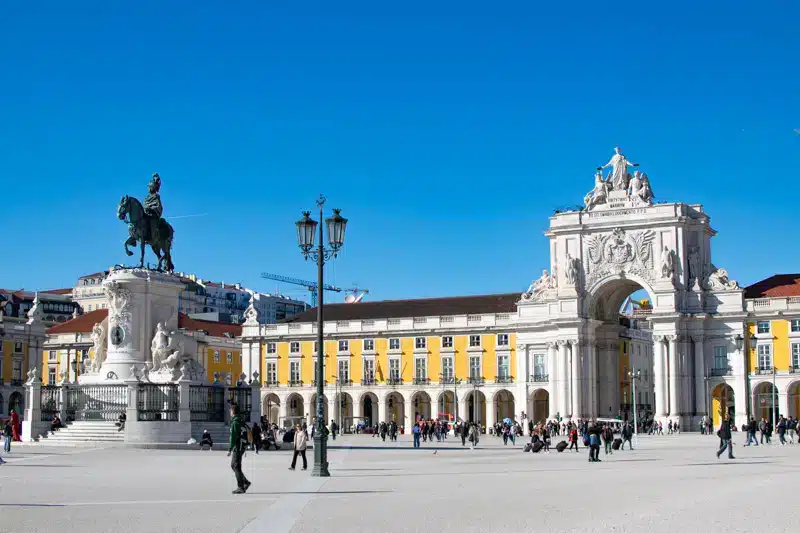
146, 225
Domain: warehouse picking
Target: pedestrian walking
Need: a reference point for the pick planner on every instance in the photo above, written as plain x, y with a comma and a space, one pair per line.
474, 437
236, 449
725, 438
415, 431
300, 444
8, 433
573, 438
751, 432
334, 429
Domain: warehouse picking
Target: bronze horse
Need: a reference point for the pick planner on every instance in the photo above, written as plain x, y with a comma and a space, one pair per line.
140, 228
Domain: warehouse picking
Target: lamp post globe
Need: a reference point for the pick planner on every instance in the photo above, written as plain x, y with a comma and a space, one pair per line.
306, 229
336, 225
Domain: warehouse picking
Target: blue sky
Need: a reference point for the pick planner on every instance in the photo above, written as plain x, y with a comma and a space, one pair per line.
446, 131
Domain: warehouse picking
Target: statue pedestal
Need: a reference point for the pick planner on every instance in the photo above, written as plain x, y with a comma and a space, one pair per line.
138, 300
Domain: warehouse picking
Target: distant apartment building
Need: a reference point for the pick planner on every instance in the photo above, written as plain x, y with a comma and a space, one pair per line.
201, 299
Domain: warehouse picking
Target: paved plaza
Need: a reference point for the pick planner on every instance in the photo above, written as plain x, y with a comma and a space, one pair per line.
667, 484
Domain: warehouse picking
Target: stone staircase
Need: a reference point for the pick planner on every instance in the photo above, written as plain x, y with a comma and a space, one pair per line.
220, 433
85, 433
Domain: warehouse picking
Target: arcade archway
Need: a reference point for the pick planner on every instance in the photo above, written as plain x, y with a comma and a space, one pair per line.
395, 408
503, 405
476, 407
271, 408
793, 392
446, 406
723, 403
422, 406
539, 406
344, 412
313, 410
765, 401
369, 408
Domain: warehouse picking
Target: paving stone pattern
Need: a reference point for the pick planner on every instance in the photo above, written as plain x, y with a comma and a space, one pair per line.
669, 483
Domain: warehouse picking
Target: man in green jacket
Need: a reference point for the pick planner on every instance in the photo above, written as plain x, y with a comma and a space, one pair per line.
236, 450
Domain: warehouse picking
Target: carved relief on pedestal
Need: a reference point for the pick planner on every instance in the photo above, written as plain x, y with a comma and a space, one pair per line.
120, 316
620, 252
541, 289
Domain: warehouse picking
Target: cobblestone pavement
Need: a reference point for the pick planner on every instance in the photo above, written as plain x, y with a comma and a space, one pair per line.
668, 484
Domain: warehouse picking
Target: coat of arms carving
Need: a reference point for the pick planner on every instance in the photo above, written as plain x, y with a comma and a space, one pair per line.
620, 252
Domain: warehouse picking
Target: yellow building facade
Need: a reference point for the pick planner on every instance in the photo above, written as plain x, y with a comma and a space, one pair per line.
392, 361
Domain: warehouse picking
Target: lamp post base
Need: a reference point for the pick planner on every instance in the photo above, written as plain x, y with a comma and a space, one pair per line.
320, 456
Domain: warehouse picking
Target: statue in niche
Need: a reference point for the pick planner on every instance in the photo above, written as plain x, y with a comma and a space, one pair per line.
573, 267
695, 273
667, 263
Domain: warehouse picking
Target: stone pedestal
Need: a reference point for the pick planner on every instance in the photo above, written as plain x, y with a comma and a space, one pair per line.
138, 300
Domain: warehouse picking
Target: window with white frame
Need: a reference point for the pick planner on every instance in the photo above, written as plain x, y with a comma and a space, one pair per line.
394, 344
447, 368
447, 342
502, 339
420, 343
52, 356
294, 347
316, 346
272, 372
795, 325
503, 367
229, 357
294, 371
315, 368
51, 375
216, 356
18, 347
394, 369
475, 367
764, 357
474, 341
272, 347
344, 370
16, 370
721, 357
539, 367
369, 369
420, 368
344, 346
763, 326
796, 355
369, 345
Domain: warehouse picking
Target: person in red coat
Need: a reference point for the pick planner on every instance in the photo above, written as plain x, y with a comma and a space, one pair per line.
16, 426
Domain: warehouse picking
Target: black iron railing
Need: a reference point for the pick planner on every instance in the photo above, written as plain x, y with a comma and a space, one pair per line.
242, 397
314, 382
16, 383
51, 402
368, 381
723, 372
295, 383
504, 379
157, 403
207, 403
539, 378
96, 402
421, 381
476, 380
394, 381
448, 380
270, 382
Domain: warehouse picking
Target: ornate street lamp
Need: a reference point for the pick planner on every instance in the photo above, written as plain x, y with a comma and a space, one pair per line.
306, 230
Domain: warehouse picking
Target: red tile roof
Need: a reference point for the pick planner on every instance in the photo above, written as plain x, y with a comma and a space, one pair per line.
779, 285
85, 323
58, 291
215, 329
82, 324
458, 305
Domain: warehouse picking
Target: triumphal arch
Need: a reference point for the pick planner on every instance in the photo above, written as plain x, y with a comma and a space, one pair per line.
621, 242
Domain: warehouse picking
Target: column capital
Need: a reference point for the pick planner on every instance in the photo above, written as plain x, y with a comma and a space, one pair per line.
551, 344
522, 346
671, 338
659, 338
562, 342
574, 342
697, 338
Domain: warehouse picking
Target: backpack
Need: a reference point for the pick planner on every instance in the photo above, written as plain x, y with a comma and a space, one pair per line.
246, 434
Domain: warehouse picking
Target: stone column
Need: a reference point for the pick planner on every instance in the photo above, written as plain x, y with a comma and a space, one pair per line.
659, 378
410, 415
554, 380
463, 407
382, 416
699, 376
612, 378
31, 423
783, 404
576, 380
184, 413
311, 410
491, 414
591, 354
564, 403
283, 411
674, 378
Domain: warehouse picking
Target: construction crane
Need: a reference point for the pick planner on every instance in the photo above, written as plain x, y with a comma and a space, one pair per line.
310, 285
